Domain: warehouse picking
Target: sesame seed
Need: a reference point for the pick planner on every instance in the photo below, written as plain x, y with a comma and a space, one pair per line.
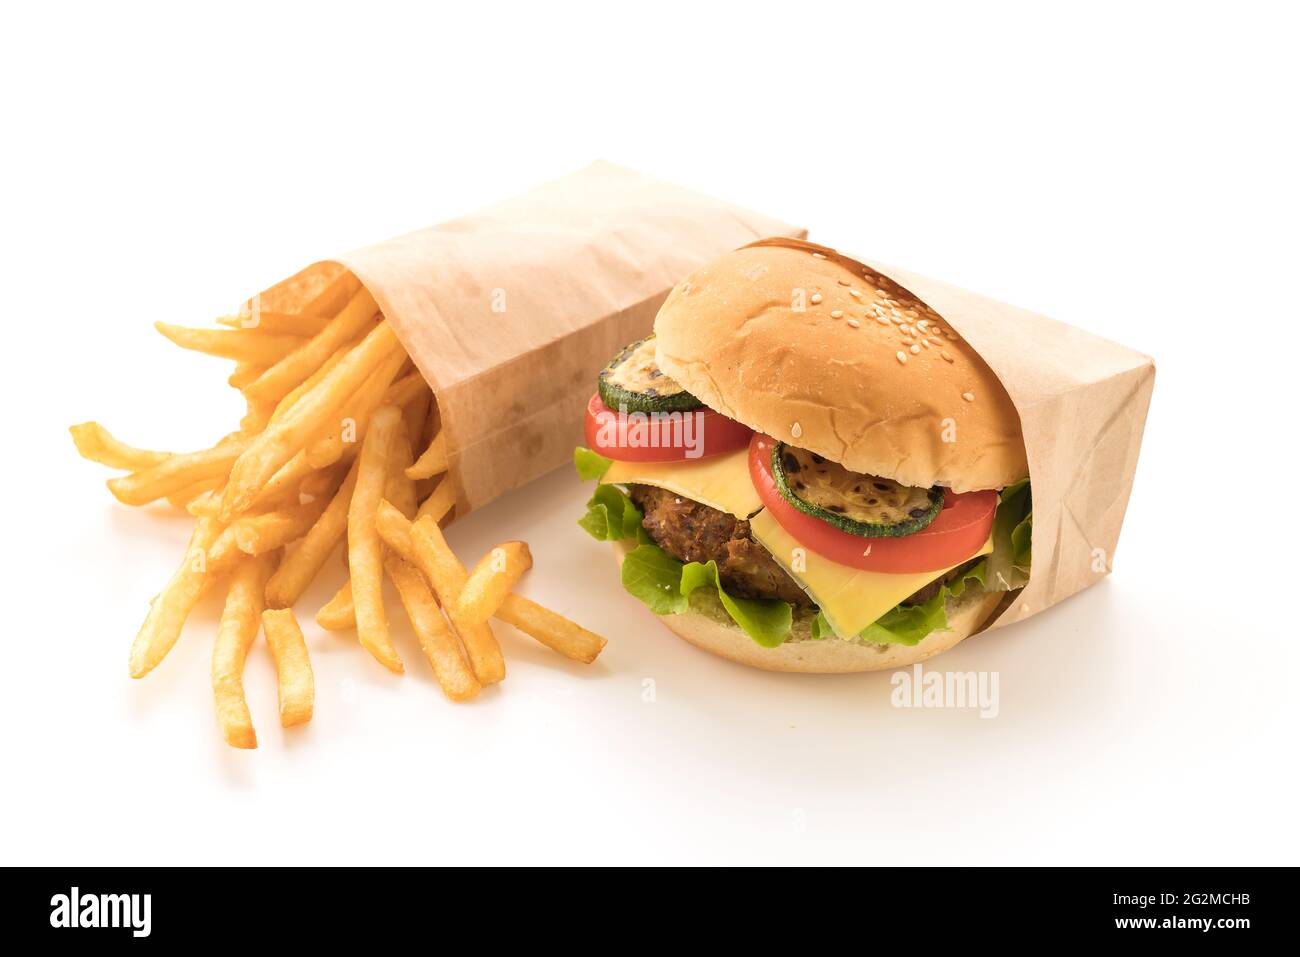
856, 294
946, 357
926, 343
836, 313
815, 298
921, 323
907, 341
968, 396
914, 349
901, 356
905, 329
892, 312
867, 552
796, 430
854, 323
950, 334
883, 320
898, 319
933, 341
819, 255
842, 282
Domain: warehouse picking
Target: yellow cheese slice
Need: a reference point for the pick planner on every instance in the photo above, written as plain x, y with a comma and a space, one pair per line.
720, 482
850, 598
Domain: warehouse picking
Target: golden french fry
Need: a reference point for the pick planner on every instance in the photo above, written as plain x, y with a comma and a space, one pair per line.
433, 461
493, 578
245, 372
440, 503
304, 562
405, 389
162, 626
437, 642
400, 490
240, 621
255, 534
550, 628
354, 417
340, 612
177, 472
309, 383
365, 552
302, 324
292, 666
353, 320
94, 442
395, 530
244, 345
334, 296
286, 437
537, 621
256, 418
187, 496
441, 567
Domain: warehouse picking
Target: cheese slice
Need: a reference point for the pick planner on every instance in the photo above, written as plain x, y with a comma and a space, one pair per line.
720, 481
850, 598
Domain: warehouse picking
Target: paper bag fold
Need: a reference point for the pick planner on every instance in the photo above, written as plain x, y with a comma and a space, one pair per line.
1083, 404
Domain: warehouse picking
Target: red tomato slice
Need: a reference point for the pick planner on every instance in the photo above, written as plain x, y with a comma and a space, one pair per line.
663, 437
958, 531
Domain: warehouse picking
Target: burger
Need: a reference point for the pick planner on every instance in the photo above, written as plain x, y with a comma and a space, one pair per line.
806, 469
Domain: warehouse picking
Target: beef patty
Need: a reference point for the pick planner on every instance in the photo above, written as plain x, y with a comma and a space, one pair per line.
692, 532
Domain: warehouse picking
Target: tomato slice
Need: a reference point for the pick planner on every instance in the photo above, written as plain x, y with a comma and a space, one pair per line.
959, 530
662, 436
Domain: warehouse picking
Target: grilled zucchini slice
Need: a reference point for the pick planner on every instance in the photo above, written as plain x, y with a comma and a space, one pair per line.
864, 505
633, 380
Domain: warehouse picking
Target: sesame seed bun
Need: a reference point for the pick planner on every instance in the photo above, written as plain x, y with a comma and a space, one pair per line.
818, 350
707, 625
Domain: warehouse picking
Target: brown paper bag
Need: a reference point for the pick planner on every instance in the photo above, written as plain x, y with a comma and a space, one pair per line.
510, 312
1083, 404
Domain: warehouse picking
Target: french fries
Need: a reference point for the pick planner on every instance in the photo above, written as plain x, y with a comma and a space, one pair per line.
324, 455
439, 645
292, 666
355, 415
94, 442
492, 580
176, 473
549, 628
244, 345
240, 622
302, 324
365, 555
355, 319
441, 567
285, 438
433, 461
162, 626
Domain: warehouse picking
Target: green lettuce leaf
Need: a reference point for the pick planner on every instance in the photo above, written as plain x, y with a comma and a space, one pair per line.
766, 620
611, 516
1008, 564
591, 466
655, 577
665, 585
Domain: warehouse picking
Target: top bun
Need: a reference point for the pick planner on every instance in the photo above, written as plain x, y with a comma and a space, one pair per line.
818, 350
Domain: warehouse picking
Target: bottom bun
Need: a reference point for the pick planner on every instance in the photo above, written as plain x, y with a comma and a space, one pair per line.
707, 625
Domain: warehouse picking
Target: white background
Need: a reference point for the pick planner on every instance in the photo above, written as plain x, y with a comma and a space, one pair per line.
1130, 169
